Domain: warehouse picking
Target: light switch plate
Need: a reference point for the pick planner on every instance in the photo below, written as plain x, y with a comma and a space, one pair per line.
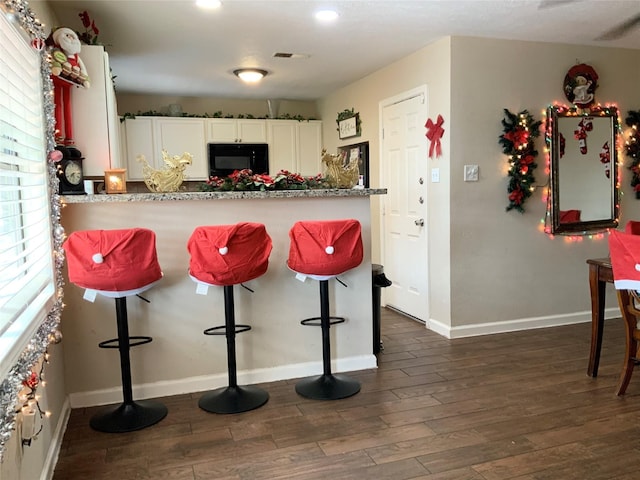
435, 175
471, 173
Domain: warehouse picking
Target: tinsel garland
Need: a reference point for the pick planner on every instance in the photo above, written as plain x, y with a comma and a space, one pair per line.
632, 149
47, 330
517, 143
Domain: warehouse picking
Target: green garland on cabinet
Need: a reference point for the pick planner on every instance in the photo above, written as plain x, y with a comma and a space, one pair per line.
218, 114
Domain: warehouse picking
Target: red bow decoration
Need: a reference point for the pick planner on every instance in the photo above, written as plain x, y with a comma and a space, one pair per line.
434, 134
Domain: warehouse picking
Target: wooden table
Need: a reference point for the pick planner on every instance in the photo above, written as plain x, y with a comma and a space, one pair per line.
600, 273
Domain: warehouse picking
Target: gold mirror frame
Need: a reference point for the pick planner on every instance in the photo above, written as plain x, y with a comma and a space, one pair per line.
583, 199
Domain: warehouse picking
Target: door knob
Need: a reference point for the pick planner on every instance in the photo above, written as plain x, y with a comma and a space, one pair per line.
420, 180
419, 222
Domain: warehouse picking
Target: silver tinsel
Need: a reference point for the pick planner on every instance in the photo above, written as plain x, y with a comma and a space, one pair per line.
48, 329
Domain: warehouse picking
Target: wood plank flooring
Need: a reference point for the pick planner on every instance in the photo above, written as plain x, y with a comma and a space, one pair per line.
510, 406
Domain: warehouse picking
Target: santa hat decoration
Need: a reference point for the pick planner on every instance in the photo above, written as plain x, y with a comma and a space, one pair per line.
605, 157
624, 250
328, 247
570, 216
112, 260
229, 254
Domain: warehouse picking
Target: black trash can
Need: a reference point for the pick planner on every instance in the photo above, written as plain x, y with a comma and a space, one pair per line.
378, 281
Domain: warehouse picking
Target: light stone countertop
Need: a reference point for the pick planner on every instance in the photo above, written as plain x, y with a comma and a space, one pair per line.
233, 195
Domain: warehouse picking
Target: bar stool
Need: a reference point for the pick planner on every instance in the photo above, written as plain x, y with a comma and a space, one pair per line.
118, 264
227, 255
322, 250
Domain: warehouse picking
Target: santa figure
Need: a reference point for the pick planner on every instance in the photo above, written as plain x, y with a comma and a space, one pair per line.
67, 70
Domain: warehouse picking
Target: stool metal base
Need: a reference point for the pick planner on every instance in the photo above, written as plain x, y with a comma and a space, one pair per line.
128, 417
233, 399
328, 387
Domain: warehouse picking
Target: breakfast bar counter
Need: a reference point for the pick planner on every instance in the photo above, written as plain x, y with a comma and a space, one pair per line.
181, 359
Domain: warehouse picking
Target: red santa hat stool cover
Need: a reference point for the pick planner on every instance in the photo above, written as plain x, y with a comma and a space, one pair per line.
632, 227
322, 250
117, 264
624, 249
227, 255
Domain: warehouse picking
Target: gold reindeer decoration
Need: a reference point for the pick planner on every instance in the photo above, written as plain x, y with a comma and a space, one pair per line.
340, 174
168, 179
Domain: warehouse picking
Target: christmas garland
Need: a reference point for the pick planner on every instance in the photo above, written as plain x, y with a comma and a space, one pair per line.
632, 149
517, 143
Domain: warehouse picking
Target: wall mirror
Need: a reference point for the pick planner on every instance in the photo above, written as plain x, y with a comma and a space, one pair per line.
584, 169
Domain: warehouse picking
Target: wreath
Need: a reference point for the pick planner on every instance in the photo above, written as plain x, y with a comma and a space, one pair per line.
517, 143
632, 149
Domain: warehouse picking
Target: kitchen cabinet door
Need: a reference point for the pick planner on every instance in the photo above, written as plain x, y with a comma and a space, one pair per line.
282, 146
230, 130
309, 148
179, 135
139, 140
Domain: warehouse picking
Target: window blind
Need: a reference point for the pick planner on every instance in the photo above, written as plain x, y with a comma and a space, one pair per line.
26, 247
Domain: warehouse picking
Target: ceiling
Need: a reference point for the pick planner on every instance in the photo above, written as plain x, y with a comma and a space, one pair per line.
174, 48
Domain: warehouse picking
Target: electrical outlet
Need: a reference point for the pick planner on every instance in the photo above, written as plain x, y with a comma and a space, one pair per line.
435, 175
471, 173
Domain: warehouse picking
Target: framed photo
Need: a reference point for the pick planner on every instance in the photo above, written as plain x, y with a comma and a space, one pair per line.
347, 128
361, 152
349, 124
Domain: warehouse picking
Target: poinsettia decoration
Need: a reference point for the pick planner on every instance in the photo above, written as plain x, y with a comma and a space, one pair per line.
632, 149
246, 180
91, 31
517, 143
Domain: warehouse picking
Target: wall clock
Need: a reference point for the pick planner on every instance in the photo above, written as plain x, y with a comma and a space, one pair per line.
69, 171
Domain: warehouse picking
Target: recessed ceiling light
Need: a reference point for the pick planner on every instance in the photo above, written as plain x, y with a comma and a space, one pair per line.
210, 4
250, 75
326, 15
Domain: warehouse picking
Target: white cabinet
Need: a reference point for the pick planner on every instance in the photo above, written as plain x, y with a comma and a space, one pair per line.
95, 119
150, 135
295, 146
230, 130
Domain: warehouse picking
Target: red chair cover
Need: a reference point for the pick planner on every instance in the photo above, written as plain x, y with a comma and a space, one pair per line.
632, 227
328, 247
624, 249
229, 254
569, 216
112, 260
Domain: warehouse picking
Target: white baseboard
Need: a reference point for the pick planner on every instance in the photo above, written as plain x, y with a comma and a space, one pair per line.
56, 442
515, 325
208, 382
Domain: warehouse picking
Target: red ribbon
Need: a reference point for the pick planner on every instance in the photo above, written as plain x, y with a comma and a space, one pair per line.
434, 134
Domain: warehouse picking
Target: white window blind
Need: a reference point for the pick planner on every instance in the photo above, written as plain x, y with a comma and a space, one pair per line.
26, 249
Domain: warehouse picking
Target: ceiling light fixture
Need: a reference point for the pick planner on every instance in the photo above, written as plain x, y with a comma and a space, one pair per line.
209, 4
250, 75
326, 15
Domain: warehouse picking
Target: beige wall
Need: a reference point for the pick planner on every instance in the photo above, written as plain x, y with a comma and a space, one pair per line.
430, 66
503, 268
492, 270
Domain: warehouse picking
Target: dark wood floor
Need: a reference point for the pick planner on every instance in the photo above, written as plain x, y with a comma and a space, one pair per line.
510, 406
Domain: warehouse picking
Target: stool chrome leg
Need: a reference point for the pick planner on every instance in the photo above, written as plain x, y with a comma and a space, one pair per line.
327, 386
233, 398
129, 415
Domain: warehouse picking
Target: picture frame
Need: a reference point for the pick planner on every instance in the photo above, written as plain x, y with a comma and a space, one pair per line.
349, 124
361, 151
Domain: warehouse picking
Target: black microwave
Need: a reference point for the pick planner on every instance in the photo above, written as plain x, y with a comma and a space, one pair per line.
224, 158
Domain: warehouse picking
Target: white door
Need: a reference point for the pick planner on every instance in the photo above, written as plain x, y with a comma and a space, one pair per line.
404, 166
